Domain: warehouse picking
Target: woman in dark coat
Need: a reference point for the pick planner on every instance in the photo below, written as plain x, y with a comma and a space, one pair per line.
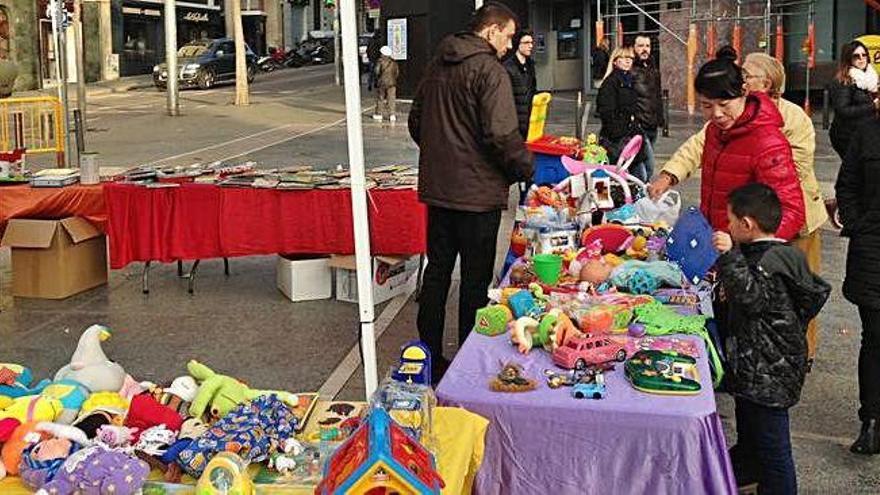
853, 95
858, 198
521, 68
617, 106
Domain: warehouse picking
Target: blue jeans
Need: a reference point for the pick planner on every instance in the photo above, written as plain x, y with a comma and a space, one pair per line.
650, 161
762, 452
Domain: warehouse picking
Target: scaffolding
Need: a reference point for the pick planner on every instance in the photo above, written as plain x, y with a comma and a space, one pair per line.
747, 25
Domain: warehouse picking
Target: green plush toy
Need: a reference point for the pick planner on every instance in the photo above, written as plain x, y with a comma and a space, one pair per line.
223, 392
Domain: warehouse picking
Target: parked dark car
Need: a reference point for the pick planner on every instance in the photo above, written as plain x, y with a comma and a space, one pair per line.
205, 63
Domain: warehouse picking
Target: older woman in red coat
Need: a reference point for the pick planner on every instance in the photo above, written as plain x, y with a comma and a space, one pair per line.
744, 143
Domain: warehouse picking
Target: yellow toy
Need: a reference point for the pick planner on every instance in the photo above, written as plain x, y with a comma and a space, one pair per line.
33, 408
105, 400
226, 474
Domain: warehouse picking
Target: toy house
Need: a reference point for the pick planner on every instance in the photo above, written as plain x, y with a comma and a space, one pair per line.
379, 458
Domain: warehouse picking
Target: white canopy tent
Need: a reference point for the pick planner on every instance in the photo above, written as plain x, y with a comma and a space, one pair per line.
360, 216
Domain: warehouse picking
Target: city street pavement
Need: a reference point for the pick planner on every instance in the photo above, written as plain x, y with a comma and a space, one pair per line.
243, 326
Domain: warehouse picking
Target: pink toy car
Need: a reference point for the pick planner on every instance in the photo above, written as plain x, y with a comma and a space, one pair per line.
578, 352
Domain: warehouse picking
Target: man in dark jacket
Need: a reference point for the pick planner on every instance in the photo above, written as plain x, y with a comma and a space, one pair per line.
521, 68
650, 99
464, 122
647, 84
771, 297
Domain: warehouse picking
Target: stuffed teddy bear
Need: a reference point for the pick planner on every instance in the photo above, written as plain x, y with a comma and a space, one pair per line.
223, 393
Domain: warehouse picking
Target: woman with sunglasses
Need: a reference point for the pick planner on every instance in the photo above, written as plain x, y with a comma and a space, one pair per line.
617, 105
853, 95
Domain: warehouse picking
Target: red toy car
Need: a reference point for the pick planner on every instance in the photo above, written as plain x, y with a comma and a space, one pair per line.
578, 352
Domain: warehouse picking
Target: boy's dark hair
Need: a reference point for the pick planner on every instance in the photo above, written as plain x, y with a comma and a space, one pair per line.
492, 13
759, 202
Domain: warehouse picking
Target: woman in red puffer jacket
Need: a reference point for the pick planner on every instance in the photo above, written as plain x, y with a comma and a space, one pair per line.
744, 143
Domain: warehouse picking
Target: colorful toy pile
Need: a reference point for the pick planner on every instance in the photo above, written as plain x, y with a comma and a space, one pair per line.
93, 425
597, 273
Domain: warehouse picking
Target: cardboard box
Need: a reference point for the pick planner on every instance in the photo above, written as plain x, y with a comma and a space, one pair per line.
304, 278
391, 276
55, 259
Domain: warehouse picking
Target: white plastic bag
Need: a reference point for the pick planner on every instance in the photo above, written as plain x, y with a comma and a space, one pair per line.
666, 209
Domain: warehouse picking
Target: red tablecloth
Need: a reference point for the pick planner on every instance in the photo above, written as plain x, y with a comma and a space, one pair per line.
53, 203
199, 221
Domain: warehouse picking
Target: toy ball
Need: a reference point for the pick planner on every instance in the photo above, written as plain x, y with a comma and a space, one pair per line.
637, 330
642, 282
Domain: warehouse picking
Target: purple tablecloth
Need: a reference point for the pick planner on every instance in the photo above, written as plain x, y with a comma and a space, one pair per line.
545, 441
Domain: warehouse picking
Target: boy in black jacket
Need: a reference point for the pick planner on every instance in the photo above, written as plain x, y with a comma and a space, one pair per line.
771, 296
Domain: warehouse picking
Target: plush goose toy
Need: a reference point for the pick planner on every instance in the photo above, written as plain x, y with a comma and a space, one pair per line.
90, 366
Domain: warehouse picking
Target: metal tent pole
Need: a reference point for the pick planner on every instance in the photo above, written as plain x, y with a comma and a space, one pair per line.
360, 216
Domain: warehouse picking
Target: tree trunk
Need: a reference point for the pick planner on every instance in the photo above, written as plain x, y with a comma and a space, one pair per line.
242, 96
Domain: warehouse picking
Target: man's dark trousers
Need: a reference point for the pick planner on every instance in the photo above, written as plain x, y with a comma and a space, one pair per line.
453, 233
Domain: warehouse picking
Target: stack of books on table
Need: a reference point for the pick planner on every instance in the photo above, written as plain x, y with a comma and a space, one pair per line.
55, 177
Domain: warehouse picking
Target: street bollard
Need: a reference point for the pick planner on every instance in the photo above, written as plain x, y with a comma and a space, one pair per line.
79, 134
577, 116
826, 109
665, 113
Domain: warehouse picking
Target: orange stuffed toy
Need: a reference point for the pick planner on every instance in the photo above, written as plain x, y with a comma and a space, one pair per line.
13, 449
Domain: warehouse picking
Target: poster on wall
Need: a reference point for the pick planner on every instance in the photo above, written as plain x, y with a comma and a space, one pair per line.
397, 38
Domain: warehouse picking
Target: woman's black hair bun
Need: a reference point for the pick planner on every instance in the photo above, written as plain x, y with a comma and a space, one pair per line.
726, 52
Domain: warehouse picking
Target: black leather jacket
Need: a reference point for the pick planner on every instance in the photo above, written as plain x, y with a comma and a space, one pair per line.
772, 295
650, 97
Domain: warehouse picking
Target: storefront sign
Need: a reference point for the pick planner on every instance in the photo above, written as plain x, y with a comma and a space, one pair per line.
397, 38
196, 17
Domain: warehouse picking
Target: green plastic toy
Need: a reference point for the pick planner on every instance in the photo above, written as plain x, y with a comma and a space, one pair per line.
222, 393
594, 153
662, 320
492, 320
663, 372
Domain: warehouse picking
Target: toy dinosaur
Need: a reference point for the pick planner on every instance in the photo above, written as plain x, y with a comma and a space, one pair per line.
222, 393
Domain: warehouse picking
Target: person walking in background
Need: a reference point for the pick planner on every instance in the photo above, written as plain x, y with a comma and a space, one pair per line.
386, 86
617, 106
764, 74
853, 95
521, 68
470, 152
743, 143
373, 47
650, 97
858, 200
600, 58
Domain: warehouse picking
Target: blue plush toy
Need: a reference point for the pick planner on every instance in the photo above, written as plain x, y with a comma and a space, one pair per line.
20, 378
